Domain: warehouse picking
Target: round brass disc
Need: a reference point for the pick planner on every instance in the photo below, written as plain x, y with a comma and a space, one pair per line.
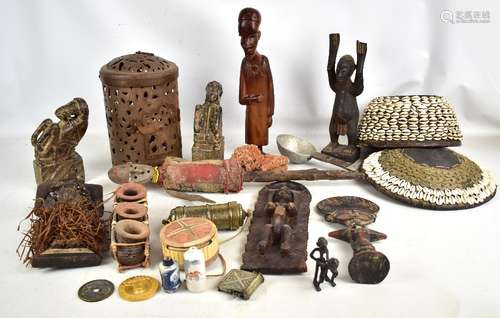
138, 288
96, 290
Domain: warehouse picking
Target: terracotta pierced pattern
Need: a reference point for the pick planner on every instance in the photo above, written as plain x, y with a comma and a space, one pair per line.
143, 120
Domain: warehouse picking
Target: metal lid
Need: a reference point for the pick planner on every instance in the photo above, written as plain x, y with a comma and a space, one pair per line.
187, 232
140, 69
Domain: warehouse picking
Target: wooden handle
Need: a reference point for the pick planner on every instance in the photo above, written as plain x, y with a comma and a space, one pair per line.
309, 174
331, 160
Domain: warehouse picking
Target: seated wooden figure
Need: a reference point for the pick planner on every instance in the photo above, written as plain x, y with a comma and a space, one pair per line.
345, 115
277, 238
208, 139
54, 143
281, 211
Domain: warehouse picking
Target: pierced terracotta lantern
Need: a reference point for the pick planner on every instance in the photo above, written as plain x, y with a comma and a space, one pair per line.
142, 108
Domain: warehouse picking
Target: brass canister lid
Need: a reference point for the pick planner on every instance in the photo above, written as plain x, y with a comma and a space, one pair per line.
140, 69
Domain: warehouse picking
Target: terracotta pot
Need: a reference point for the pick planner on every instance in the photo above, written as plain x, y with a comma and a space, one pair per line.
131, 255
130, 192
131, 231
130, 211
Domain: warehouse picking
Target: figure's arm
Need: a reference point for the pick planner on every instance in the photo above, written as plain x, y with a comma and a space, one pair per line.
332, 57
270, 111
358, 80
244, 98
217, 126
270, 206
197, 119
311, 255
44, 125
291, 209
48, 140
242, 85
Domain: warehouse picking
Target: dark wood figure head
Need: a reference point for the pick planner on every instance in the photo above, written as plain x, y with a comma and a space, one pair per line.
248, 29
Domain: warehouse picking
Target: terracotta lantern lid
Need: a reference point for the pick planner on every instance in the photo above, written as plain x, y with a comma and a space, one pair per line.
187, 232
140, 69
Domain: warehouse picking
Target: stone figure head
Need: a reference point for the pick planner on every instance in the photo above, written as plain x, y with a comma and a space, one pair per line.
322, 242
345, 68
214, 92
248, 29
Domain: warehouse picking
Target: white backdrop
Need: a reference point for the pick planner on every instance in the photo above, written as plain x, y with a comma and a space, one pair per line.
52, 51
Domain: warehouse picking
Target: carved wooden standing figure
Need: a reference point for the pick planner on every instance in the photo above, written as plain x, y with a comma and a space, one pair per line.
256, 81
54, 143
279, 230
345, 115
208, 139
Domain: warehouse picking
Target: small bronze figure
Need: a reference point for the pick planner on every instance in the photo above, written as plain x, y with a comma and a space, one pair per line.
345, 115
256, 81
367, 266
324, 264
208, 139
54, 143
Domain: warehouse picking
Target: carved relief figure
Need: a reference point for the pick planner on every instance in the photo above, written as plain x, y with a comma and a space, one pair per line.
256, 81
208, 139
279, 230
54, 143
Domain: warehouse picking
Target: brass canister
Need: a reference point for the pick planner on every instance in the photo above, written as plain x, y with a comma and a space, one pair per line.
226, 216
142, 108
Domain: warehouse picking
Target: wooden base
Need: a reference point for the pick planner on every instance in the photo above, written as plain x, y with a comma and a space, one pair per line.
61, 170
69, 257
272, 261
66, 258
346, 153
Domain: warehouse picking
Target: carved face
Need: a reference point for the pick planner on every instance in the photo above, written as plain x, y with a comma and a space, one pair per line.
249, 43
214, 92
345, 68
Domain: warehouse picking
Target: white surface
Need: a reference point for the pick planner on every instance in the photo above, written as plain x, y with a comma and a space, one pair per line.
443, 264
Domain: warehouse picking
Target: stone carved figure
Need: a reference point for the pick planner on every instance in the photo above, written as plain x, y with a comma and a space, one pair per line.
324, 264
54, 144
256, 81
208, 138
279, 230
345, 115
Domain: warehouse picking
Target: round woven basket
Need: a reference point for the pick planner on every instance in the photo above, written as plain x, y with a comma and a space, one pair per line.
178, 236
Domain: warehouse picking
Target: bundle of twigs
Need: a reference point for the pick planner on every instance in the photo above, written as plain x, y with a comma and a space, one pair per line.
64, 224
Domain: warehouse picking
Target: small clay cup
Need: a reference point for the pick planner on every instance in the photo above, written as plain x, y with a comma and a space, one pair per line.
130, 211
131, 231
131, 192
